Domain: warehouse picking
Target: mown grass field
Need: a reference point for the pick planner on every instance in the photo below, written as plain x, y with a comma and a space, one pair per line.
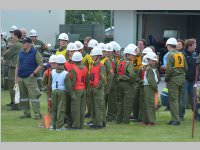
27, 130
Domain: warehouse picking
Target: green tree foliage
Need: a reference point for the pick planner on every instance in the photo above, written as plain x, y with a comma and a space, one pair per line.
88, 17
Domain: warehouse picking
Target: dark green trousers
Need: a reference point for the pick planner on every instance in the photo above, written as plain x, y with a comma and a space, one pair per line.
98, 105
78, 105
175, 92
29, 91
58, 108
149, 115
11, 83
112, 102
124, 102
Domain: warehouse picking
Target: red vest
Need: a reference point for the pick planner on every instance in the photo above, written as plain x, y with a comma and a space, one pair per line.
81, 75
121, 67
142, 74
48, 72
95, 75
68, 66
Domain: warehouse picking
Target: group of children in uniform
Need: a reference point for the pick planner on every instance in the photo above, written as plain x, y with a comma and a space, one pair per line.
106, 78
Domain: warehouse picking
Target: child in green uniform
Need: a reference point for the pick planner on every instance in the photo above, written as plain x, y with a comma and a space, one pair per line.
97, 83
59, 80
150, 81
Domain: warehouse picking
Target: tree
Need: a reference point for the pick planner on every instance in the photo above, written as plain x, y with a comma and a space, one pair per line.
88, 17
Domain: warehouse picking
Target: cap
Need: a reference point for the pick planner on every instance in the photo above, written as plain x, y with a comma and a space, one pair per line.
27, 40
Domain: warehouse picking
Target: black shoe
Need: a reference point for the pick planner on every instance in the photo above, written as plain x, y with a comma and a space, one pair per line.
25, 116
14, 107
90, 123
131, 117
96, 127
175, 123
87, 116
10, 104
170, 122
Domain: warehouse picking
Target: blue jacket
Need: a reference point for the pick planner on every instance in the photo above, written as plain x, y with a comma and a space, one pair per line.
27, 63
191, 59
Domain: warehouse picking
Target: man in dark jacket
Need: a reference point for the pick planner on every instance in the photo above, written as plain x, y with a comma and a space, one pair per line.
191, 58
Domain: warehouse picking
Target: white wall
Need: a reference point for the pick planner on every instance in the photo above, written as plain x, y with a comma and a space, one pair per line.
125, 22
47, 24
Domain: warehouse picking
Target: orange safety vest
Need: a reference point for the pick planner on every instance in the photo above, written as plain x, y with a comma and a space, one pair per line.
142, 74
121, 67
48, 72
95, 75
81, 75
68, 66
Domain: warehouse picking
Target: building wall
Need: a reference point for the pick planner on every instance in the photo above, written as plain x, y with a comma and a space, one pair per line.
45, 23
125, 23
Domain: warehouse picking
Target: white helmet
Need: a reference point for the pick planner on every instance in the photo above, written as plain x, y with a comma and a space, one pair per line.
60, 59
147, 50
63, 36
109, 47
145, 60
92, 43
79, 45
52, 58
115, 46
101, 46
152, 56
96, 51
131, 45
71, 47
33, 33
77, 56
130, 50
13, 28
171, 41
4, 35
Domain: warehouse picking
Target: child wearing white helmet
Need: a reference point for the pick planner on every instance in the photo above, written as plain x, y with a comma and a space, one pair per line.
107, 62
71, 48
59, 81
112, 104
97, 83
63, 41
78, 76
126, 79
53, 65
46, 79
150, 83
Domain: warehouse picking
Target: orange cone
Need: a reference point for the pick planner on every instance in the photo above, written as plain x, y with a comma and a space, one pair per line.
156, 100
47, 121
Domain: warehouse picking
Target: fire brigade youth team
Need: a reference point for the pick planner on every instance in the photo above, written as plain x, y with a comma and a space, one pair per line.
93, 80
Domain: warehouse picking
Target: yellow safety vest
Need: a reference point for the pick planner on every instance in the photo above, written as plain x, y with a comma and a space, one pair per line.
88, 58
104, 60
63, 52
137, 63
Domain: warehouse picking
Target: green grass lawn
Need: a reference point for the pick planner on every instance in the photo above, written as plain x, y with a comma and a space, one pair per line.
15, 129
